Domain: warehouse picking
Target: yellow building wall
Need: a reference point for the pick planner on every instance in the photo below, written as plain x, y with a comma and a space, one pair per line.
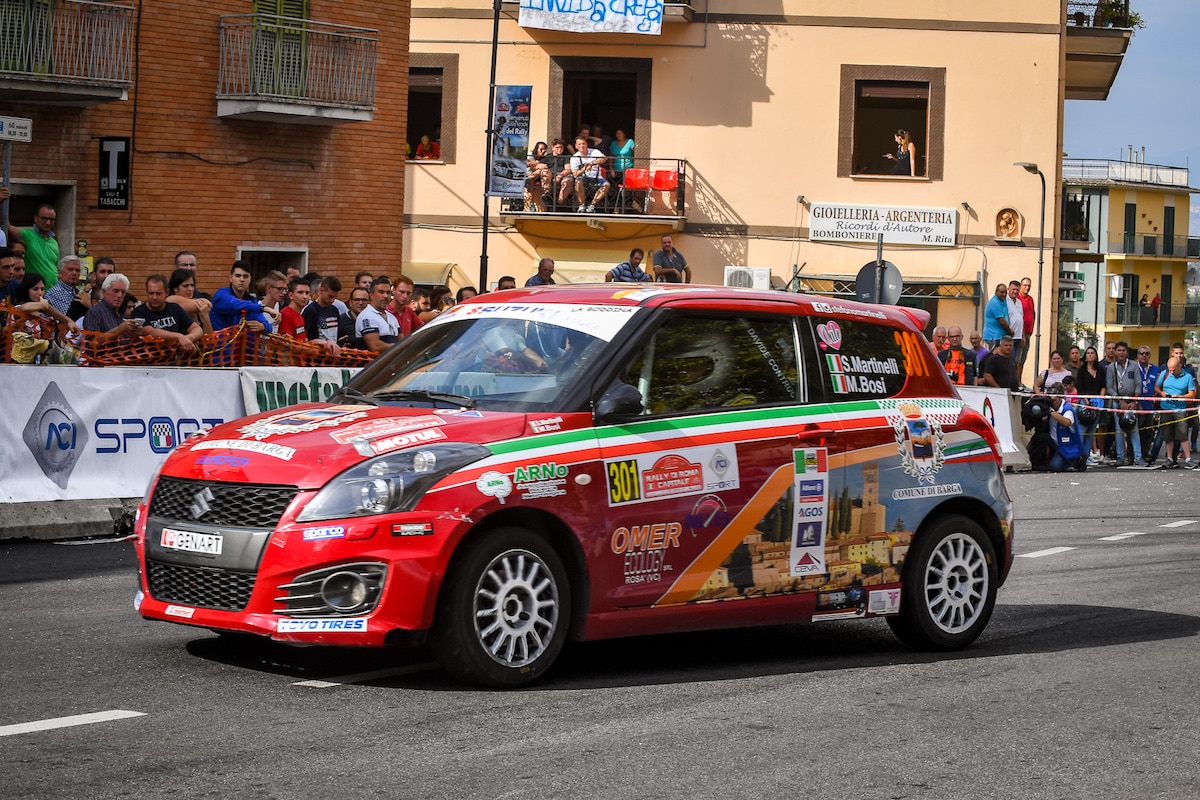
752, 103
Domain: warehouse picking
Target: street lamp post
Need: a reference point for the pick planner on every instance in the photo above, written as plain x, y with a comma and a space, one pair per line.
491, 134
1032, 169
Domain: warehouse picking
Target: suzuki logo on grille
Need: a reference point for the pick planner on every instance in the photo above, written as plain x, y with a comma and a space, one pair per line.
200, 503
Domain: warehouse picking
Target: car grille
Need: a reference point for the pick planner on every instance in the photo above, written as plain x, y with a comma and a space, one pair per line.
202, 587
241, 505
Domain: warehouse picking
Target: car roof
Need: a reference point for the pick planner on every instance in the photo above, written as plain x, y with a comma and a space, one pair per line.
658, 295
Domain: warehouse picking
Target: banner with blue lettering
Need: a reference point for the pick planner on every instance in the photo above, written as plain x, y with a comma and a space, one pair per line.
510, 121
593, 16
81, 433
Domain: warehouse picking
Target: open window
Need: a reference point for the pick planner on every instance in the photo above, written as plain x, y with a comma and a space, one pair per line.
879, 101
432, 92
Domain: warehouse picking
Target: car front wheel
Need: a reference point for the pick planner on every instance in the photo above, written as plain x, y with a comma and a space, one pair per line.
505, 610
949, 589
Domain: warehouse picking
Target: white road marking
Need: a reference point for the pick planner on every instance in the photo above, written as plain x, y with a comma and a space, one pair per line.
1053, 551
87, 542
1179, 523
67, 722
365, 677
1120, 536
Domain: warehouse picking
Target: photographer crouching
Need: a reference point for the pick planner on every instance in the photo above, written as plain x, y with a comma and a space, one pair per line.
1067, 445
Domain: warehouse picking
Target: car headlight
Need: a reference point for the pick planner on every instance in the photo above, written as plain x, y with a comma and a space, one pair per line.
391, 482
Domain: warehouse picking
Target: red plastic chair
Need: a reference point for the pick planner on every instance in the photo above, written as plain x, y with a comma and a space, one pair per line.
634, 180
666, 180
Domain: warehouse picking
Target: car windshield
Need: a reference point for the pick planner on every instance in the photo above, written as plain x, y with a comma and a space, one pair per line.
499, 356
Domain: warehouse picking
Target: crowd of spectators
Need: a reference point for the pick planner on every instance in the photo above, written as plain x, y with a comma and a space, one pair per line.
580, 173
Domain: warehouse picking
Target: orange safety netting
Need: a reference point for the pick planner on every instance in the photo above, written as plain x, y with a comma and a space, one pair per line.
237, 346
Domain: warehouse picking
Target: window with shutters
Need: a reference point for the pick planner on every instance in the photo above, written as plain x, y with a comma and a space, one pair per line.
280, 43
877, 103
432, 102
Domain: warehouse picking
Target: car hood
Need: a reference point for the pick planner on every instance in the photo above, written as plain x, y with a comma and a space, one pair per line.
306, 445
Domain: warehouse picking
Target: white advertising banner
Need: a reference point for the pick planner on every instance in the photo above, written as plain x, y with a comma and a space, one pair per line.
593, 16
1003, 410
78, 433
841, 222
269, 388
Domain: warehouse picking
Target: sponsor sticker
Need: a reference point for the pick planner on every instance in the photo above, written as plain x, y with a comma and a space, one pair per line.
830, 334
644, 550
262, 448
546, 479
302, 421
683, 472
494, 484
884, 601
179, 611
854, 597
709, 514
323, 625
377, 428
811, 490
412, 529
220, 460
191, 542
327, 532
546, 425
398, 442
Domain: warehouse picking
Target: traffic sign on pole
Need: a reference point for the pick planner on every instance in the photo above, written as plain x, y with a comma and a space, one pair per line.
16, 129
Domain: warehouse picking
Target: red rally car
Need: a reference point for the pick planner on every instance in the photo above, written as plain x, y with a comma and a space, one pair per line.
590, 462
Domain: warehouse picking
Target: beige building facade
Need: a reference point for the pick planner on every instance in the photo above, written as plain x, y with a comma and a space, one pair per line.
779, 119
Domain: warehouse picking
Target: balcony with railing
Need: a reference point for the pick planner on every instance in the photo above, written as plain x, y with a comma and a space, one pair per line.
284, 69
643, 191
1175, 315
1144, 244
1107, 172
1097, 36
69, 52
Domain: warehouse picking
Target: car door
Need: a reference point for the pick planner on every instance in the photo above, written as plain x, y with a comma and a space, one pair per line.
890, 440
700, 487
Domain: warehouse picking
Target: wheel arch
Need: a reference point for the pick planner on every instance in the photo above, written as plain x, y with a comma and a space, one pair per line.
559, 536
978, 512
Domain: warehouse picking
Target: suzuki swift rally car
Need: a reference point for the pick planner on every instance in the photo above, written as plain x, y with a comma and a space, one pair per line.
591, 462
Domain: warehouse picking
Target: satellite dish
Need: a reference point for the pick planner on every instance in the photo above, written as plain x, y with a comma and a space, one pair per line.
876, 285
1192, 278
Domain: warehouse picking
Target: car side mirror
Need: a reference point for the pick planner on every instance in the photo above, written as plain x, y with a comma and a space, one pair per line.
620, 401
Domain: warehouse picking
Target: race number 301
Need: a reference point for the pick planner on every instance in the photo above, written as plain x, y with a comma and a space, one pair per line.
623, 483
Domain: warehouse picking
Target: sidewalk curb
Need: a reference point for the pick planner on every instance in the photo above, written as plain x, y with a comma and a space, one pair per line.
61, 519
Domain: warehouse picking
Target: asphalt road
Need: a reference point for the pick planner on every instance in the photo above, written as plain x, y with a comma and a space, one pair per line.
1083, 686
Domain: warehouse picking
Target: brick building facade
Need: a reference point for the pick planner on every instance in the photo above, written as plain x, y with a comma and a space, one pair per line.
253, 134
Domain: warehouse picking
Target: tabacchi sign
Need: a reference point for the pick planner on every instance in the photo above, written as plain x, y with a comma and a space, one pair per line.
934, 227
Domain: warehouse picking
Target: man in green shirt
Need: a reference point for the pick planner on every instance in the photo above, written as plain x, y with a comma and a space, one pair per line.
41, 248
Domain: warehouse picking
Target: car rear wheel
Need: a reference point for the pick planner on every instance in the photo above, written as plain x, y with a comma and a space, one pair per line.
949, 589
504, 610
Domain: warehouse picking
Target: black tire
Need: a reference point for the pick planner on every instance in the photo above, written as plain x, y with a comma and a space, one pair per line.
504, 611
949, 587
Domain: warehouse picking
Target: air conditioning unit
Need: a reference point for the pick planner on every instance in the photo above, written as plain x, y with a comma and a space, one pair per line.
748, 277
